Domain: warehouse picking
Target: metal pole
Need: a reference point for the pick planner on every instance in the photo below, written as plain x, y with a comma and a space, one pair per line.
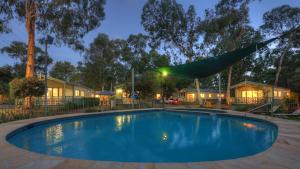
132, 87
46, 76
198, 91
220, 101
163, 91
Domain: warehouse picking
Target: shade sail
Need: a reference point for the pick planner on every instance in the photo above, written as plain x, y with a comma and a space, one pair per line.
213, 65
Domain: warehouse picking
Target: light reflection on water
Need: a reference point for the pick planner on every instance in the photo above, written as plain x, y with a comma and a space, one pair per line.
150, 137
54, 134
122, 120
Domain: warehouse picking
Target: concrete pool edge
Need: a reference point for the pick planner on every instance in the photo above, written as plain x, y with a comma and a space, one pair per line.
285, 152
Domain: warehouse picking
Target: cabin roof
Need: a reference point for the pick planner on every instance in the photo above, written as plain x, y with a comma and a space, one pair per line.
105, 93
254, 84
64, 82
201, 90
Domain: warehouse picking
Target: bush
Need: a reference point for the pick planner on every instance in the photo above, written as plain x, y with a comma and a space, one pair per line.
242, 107
77, 103
31, 87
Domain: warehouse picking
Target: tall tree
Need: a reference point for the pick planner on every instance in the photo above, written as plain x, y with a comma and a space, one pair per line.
63, 71
18, 50
66, 20
281, 20
168, 23
224, 27
101, 63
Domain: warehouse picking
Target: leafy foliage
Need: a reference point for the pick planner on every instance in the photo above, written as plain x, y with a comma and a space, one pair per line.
30, 87
63, 71
5, 77
166, 21
18, 50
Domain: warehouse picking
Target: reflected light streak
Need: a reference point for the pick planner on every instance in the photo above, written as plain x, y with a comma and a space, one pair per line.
164, 136
249, 125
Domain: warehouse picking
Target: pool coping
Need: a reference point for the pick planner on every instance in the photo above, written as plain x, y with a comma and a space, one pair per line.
284, 153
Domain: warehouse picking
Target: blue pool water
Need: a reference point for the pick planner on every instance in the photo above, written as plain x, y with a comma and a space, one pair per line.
156, 136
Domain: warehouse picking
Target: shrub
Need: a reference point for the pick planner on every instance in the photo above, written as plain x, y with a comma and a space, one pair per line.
31, 87
241, 107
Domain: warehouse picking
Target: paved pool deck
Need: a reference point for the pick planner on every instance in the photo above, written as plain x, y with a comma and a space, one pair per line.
284, 154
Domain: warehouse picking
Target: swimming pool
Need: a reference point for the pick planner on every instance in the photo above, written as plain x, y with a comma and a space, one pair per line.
151, 136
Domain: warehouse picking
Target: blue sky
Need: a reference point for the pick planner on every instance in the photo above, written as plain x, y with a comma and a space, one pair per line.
122, 19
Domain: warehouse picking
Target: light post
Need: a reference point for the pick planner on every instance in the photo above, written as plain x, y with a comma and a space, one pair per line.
47, 40
164, 75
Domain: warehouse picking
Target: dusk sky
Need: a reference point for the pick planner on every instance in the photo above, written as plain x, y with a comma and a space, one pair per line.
122, 19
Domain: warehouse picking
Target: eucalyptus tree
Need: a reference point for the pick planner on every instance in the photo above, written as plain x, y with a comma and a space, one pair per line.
63, 71
167, 23
102, 63
278, 21
18, 51
225, 27
66, 20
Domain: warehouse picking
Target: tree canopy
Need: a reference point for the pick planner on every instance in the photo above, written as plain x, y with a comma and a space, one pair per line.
66, 20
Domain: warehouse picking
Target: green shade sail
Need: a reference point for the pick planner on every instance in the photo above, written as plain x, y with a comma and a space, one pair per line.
213, 65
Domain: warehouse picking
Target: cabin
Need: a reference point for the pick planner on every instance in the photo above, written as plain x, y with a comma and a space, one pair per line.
206, 95
104, 96
248, 92
60, 91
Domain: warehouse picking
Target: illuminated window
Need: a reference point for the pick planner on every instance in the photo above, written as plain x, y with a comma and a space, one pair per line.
157, 96
222, 95
60, 92
49, 92
275, 93
97, 96
288, 94
254, 94
82, 93
119, 91
279, 93
260, 93
244, 94
77, 93
249, 94
191, 97
209, 95
55, 92
202, 95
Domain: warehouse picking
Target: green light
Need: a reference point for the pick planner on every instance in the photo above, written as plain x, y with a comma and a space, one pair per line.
164, 73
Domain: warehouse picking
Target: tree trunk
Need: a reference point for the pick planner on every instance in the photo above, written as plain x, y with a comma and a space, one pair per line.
228, 85
30, 7
279, 70
280, 65
30, 27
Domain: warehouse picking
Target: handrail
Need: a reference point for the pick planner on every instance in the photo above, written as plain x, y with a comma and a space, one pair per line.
256, 108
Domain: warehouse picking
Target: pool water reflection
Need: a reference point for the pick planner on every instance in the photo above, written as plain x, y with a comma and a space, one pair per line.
157, 136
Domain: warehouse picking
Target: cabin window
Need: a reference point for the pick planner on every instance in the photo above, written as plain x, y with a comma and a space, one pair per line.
252, 93
158, 96
279, 93
77, 93
202, 95
82, 93
191, 97
209, 95
54, 92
